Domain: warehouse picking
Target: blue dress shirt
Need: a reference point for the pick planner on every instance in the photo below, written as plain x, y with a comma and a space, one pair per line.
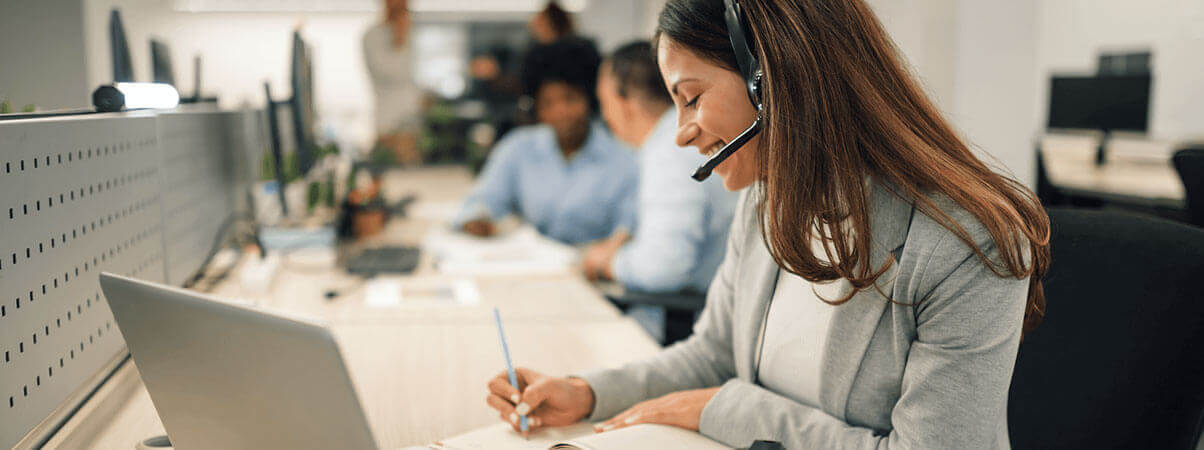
683, 224
578, 200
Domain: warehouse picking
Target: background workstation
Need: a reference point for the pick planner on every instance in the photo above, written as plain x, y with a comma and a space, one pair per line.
153, 194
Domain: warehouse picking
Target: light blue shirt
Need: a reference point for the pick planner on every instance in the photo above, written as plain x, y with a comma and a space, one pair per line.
581, 199
683, 226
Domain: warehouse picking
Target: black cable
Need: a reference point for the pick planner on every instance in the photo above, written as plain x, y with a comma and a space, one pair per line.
218, 240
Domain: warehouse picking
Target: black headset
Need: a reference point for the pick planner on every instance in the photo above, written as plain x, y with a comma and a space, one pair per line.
750, 68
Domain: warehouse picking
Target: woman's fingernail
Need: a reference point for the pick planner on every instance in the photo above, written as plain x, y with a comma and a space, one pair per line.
632, 419
513, 418
513, 398
522, 409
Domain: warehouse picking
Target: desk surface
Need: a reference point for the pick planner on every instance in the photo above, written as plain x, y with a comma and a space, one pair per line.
1134, 175
420, 369
412, 393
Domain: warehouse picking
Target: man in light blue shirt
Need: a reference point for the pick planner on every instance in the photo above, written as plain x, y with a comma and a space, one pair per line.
567, 176
683, 224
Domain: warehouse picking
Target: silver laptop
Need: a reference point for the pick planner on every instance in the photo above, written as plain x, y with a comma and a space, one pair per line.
230, 377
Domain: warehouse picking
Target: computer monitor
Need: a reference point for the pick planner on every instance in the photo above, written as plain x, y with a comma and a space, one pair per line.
302, 103
161, 63
1108, 103
123, 70
277, 141
1124, 63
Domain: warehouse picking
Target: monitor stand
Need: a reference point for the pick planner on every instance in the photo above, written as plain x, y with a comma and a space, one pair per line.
1101, 151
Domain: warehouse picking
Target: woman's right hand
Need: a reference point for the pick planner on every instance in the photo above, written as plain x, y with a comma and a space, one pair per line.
480, 228
547, 401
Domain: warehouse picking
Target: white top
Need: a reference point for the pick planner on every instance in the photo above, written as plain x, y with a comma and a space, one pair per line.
796, 333
398, 98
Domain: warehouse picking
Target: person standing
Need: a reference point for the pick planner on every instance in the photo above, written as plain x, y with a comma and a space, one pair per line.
398, 99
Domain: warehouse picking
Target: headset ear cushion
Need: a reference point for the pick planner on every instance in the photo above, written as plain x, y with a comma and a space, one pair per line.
750, 67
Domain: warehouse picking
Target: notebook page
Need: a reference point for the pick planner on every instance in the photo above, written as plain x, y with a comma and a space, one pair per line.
644, 436
502, 437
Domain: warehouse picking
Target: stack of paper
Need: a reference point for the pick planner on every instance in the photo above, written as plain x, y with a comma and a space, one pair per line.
519, 252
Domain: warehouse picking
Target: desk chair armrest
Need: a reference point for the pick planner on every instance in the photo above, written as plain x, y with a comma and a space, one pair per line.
680, 301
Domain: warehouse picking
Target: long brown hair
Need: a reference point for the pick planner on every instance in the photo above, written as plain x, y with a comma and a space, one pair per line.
839, 105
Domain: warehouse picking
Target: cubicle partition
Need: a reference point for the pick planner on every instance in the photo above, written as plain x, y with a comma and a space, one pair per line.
139, 194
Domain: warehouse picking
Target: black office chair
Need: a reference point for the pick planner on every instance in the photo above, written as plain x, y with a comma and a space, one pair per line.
1119, 360
1189, 162
681, 308
1047, 193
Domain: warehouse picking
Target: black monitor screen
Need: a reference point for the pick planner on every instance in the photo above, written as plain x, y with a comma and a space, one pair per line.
302, 102
161, 63
1100, 103
123, 70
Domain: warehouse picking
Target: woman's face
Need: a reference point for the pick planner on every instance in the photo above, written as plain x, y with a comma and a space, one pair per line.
712, 109
565, 108
541, 29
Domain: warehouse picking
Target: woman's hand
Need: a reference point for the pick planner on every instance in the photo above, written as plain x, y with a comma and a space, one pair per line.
546, 401
597, 258
480, 228
681, 409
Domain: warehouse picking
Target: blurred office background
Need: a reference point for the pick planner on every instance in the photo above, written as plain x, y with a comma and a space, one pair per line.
1092, 103
987, 63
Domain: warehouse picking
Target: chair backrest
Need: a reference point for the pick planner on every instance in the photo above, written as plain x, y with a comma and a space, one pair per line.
1189, 162
1119, 360
1046, 191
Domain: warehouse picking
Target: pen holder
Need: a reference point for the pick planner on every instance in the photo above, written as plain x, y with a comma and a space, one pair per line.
160, 442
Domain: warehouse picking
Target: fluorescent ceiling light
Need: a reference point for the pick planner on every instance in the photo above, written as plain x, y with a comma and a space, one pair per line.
490, 5
477, 6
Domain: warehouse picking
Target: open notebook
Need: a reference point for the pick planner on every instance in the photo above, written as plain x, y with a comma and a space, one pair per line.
580, 436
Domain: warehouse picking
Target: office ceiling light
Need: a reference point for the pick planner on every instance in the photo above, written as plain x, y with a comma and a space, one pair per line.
115, 97
487, 6
491, 5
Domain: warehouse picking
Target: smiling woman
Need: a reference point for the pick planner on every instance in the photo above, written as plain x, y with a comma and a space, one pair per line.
878, 276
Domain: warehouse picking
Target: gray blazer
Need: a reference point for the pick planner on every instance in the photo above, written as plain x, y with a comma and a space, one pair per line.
930, 371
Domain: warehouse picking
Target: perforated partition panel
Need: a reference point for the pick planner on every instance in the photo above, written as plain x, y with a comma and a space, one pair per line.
247, 142
78, 196
198, 187
139, 194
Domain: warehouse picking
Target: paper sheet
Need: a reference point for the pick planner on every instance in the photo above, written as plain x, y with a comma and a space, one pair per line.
502, 437
522, 251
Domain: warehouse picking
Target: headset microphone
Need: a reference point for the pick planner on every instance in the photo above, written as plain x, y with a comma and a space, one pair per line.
750, 69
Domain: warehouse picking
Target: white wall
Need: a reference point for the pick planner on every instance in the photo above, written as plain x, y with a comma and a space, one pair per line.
243, 49
42, 55
1073, 32
924, 32
977, 60
995, 86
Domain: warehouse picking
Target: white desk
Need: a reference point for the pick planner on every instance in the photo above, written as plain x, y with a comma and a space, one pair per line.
420, 372
412, 393
1134, 172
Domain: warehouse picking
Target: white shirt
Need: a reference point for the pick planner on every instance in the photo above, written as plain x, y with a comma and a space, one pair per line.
682, 230
796, 333
398, 98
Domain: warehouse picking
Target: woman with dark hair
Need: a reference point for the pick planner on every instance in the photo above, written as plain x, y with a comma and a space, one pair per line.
878, 277
550, 24
567, 175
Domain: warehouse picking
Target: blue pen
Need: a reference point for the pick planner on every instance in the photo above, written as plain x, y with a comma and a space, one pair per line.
497, 318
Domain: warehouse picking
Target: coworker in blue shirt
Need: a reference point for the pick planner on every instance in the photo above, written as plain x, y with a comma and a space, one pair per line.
567, 176
683, 224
